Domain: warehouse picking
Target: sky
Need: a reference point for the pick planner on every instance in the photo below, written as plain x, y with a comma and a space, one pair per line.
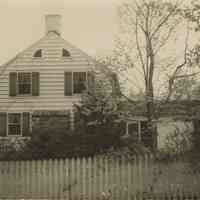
91, 25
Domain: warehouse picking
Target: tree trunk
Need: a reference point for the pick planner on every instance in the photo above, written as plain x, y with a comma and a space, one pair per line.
150, 112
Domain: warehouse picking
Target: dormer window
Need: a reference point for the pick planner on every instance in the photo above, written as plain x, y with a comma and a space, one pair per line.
65, 53
38, 54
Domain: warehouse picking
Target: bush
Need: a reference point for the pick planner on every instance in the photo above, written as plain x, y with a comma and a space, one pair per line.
55, 140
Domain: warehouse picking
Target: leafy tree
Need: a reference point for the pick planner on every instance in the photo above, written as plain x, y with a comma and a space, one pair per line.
98, 114
192, 13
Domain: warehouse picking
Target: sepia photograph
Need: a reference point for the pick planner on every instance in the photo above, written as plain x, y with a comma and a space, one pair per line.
100, 100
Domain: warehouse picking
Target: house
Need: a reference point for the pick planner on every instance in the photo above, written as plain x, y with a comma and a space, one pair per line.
174, 123
45, 80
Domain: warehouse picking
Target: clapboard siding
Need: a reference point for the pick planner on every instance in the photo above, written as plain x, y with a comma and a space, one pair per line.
51, 68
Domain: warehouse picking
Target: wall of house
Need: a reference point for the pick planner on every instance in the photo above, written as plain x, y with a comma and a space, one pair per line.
171, 132
51, 68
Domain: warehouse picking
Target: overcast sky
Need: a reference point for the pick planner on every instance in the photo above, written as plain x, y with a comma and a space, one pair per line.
88, 24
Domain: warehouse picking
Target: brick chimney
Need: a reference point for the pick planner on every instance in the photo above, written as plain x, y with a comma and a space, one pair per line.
53, 24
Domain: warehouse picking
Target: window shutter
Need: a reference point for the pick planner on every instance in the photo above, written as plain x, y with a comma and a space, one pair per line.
35, 83
13, 84
3, 124
68, 84
26, 124
90, 81
115, 85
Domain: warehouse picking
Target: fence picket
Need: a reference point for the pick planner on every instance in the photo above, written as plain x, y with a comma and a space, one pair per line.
78, 179
118, 177
69, 180
23, 185
45, 179
73, 178
89, 178
66, 178
100, 177
95, 175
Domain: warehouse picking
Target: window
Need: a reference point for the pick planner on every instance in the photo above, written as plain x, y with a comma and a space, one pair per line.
18, 124
65, 53
139, 131
79, 82
133, 129
75, 82
24, 83
38, 54
14, 124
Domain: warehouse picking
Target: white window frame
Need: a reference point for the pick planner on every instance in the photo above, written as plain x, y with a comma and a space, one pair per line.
77, 94
138, 122
65, 57
86, 73
40, 57
21, 123
17, 84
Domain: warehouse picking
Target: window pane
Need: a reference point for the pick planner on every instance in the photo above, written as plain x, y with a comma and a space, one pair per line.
14, 118
146, 134
14, 129
24, 88
24, 83
24, 78
79, 82
65, 53
38, 53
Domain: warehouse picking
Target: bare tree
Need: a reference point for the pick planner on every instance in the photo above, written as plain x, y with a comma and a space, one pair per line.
149, 29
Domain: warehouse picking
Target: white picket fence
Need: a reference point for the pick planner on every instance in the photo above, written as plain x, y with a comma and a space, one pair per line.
98, 178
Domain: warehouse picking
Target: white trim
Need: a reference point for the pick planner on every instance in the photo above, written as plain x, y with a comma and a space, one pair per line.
21, 125
17, 84
76, 94
73, 80
138, 122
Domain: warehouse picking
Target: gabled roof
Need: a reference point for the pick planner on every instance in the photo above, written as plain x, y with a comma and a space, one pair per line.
51, 45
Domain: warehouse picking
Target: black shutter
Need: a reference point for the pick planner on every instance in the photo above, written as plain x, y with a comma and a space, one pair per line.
13, 84
26, 124
35, 83
3, 124
68, 84
115, 85
90, 81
